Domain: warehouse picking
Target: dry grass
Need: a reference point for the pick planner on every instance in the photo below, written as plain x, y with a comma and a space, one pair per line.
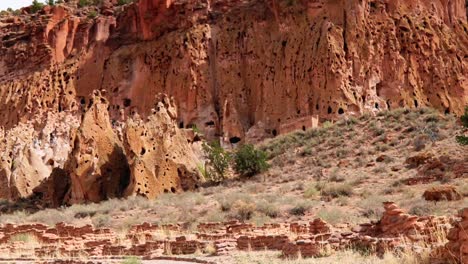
348, 257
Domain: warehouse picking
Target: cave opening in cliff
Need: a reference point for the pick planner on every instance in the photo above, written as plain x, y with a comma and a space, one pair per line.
210, 123
234, 140
330, 110
127, 102
340, 111
274, 132
416, 103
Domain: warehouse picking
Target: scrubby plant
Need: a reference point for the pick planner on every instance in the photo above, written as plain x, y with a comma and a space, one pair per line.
218, 161
83, 3
92, 14
463, 140
36, 6
131, 260
337, 190
249, 161
124, 2
242, 210
51, 2
299, 209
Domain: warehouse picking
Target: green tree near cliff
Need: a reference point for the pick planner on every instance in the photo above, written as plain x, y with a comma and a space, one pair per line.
463, 140
218, 162
36, 6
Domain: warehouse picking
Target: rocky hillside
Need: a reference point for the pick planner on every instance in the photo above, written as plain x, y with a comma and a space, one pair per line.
80, 115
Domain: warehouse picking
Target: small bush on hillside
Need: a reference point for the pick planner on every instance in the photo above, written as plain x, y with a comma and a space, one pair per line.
92, 14
124, 2
51, 2
311, 192
243, 211
420, 142
299, 210
83, 3
337, 190
36, 6
131, 260
463, 140
249, 161
218, 161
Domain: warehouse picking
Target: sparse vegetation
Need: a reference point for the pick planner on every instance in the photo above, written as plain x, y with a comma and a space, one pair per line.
131, 260
83, 3
336, 179
299, 210
92, 14
335, 190
124, 2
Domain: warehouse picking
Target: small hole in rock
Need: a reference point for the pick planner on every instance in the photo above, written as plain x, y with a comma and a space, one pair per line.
234, 140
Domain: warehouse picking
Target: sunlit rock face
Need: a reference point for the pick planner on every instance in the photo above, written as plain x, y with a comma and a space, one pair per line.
237, 70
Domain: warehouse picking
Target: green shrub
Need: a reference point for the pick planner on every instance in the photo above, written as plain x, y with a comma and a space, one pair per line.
51, 2
249, 161
124, 2
463, 140
218, 161
83, 3
131, 260
311, 192
337, 190
299, 209
92, 14
36, 6
243, 211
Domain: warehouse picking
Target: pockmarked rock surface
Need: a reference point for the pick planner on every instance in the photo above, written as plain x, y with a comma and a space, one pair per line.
160, 159
235, 66
90, 158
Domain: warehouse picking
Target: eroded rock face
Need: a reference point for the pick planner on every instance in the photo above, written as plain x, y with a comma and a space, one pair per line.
456, 249
159, 156
239, 70
30, 151
97, 166
110, 159
231, 65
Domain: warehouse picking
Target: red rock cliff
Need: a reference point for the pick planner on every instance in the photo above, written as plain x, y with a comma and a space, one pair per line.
239, 61
236, 66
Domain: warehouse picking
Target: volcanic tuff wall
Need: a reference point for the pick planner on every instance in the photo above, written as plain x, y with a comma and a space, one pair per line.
235, 68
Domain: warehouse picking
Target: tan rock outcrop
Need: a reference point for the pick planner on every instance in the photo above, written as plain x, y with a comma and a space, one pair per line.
456, 250
97, 167
30, 152
159, 156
